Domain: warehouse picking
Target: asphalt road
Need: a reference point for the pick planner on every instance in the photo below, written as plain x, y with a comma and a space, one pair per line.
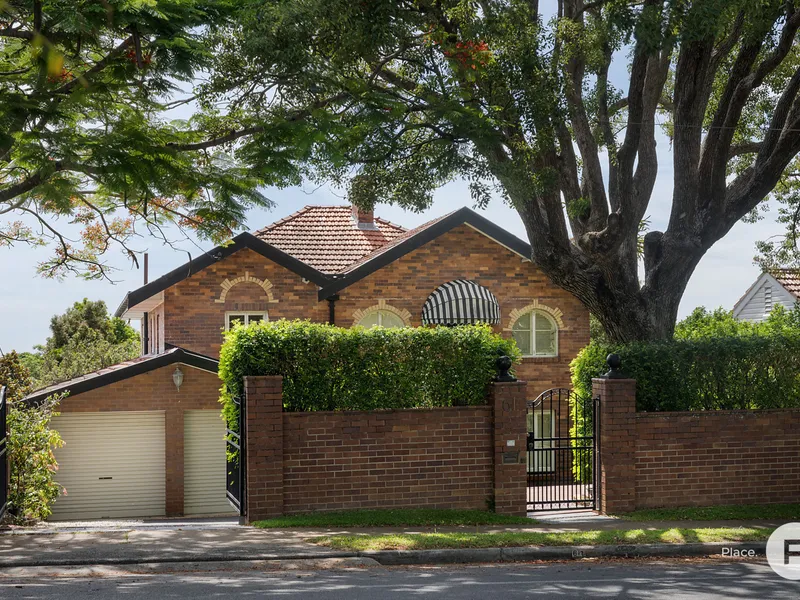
675, 580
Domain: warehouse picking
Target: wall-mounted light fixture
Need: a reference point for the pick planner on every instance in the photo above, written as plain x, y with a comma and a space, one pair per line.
177, 378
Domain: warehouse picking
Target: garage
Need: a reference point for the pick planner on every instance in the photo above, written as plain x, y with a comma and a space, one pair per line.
204, 464
112, 465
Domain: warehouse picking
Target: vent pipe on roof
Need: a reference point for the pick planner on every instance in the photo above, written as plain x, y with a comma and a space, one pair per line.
365, 219
146, 264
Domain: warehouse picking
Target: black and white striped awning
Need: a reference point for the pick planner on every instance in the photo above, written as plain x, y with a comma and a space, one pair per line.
461, 302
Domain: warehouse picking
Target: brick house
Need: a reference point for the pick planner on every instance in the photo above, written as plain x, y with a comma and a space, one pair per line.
144, 438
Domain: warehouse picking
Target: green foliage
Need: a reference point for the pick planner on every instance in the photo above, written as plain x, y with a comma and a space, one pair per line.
32, 488
334, 368
89, 136
714, 364
396, 517
85, 338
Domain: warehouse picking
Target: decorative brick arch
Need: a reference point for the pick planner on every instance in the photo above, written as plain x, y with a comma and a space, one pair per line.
264, 284
359, 315
535, 305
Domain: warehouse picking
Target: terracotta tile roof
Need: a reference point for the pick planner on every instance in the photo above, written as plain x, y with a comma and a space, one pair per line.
395, 242
327, 237
789, 279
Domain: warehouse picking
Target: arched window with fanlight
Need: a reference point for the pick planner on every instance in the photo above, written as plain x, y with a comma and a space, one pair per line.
536, 334
381, 318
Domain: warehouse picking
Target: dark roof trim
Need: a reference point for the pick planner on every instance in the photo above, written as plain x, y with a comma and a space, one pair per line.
79, 386
460, 217
243, 240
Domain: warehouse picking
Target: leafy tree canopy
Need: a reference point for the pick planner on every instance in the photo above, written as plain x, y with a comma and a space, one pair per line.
720, 323
85, 338
87, 136
392, 99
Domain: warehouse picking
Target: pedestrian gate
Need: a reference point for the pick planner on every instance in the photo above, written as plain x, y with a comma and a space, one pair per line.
562, 433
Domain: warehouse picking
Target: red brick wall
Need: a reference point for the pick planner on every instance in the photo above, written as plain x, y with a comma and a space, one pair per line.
156, 391
454, 457
717, 457
195, 321
463, 253
383, 459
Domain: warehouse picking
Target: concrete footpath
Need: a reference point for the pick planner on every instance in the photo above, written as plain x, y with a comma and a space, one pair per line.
118, 543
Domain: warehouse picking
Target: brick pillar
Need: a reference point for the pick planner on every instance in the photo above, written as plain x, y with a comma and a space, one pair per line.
617, 448
264, 447
510, 434
173, 426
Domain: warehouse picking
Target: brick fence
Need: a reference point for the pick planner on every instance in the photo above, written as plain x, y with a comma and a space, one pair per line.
466, 457
701, 458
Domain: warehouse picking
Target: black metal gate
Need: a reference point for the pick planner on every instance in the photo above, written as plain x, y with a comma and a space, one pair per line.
4, 474
235, 453
562, 433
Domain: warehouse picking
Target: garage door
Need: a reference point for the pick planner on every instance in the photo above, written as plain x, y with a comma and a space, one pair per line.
112, 465
204, 464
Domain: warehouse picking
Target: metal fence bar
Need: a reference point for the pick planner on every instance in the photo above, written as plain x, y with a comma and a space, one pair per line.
235, 484
4, 470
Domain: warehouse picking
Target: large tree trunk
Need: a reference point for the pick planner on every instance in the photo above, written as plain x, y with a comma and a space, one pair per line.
609, 286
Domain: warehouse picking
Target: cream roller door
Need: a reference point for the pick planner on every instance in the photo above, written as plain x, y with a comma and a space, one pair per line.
204, 466
112, 465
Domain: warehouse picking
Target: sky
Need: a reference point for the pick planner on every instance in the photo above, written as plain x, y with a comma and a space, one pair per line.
29, 301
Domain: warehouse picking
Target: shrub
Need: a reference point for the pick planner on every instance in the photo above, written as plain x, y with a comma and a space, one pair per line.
32, 488
702, 373
333, 368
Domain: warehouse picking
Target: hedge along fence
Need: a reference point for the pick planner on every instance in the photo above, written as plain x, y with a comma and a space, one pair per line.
333, 368
724, 373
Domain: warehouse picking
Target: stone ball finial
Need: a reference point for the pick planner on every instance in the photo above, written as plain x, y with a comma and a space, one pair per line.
614, 363
503, 365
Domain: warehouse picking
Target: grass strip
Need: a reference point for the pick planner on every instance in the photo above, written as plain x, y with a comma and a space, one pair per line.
435, 541
790, 512
394, 518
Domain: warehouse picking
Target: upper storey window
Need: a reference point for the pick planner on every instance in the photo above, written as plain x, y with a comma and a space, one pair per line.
536, 334
245, 318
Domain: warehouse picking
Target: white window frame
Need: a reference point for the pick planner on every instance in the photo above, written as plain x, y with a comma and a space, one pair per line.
246, 314
534, 315
542, 462
380, 312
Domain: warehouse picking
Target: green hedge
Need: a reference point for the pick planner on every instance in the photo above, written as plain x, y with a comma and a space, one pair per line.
716, 373
333, 368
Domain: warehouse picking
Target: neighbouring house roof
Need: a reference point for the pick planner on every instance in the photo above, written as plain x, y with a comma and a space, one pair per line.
415, 238
124, 370
788, 279
328, 238
130, 305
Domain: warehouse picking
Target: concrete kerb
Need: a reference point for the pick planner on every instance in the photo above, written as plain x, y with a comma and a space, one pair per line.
557, 553
433, 557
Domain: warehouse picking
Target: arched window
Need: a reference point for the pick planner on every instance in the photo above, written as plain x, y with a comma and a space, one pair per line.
536, 334
381, 318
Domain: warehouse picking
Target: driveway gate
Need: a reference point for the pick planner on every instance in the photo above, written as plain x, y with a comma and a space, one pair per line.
562, 432
4, 474
235, 453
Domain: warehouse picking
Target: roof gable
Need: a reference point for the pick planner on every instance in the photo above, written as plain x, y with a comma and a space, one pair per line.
787, 279
243, 240
328, 238
125, 370
416, 238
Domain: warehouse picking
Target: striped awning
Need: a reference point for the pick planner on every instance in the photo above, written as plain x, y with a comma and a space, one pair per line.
461, 302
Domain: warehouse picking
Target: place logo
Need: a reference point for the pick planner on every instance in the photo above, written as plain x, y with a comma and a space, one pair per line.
783, 551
